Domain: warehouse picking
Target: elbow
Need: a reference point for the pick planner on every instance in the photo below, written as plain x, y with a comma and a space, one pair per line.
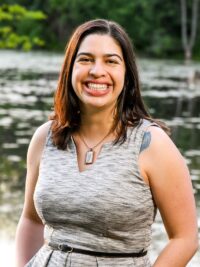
194, 248
196, 244
193, 244
189, 242
196, 241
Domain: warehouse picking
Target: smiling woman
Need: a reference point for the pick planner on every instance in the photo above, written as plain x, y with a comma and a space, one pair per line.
98, 72
101, 167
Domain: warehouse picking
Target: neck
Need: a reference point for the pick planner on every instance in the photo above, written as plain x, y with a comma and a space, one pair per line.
95, 127
98, 122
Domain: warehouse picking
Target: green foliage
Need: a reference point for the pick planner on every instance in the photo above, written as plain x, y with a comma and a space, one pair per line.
154, 26
19, 27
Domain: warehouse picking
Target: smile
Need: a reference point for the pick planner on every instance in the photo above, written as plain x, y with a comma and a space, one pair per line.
97, 86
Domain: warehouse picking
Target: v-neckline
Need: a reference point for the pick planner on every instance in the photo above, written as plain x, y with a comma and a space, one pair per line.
92, 166
105, 146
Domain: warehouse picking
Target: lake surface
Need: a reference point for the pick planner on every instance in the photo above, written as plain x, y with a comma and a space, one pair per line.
27, 84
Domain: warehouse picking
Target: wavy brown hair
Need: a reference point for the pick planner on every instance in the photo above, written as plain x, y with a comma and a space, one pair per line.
130, 107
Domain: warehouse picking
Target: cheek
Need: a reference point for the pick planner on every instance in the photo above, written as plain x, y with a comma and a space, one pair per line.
121, 79
77, 75
74, 78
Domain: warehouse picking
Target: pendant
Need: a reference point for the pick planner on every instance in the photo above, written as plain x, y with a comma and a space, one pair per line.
89, 157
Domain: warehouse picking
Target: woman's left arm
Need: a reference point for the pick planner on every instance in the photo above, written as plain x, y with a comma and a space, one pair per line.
171, 186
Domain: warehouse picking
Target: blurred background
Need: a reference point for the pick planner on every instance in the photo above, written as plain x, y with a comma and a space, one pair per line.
33, 36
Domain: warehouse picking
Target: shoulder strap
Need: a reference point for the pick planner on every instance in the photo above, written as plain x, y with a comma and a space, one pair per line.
138, 134
48, 141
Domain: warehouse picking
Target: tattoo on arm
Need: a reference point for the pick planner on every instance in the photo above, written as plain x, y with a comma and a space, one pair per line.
145, 141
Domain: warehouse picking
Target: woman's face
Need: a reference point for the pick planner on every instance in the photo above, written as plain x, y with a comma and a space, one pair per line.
99, 71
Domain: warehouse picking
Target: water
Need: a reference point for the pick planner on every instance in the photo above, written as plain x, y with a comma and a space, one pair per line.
27, 84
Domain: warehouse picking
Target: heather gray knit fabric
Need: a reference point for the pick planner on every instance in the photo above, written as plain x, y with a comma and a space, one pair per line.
106, 208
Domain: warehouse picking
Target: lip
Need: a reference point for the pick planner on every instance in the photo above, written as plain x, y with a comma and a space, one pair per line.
96, 93
98, 82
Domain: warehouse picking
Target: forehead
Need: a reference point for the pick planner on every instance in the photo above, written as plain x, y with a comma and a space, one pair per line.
100, 43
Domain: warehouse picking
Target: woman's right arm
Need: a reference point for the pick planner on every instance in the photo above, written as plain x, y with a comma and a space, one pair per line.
29, 234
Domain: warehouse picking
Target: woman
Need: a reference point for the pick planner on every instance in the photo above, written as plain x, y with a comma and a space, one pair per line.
100, 168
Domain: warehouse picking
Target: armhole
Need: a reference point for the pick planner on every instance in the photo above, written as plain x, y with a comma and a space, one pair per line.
143, 131
47, 142
140, 131
139, 135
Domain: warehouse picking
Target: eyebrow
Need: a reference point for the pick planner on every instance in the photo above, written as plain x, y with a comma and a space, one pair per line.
106, 55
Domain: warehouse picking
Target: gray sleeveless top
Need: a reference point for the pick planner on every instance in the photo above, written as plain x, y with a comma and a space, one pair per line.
107, 207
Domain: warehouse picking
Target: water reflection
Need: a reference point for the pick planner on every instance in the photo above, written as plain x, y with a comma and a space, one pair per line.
27, 84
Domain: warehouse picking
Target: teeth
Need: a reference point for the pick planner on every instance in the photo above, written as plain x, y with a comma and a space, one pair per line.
97, 86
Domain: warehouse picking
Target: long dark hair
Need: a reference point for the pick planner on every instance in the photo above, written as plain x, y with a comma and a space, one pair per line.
130, 106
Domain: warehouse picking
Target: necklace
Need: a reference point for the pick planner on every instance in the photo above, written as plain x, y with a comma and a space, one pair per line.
89, 155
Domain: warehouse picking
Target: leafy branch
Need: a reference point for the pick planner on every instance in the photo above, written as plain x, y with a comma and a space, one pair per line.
19, 27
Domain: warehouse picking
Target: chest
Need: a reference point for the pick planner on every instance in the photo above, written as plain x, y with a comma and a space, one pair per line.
109, 188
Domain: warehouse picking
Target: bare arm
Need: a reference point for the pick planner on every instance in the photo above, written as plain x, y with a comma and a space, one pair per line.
29, 235
165, 170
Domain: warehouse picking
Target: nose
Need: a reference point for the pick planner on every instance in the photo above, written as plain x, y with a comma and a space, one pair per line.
97, 69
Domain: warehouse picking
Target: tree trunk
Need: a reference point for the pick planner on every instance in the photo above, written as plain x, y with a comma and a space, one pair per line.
188, 54
188, 41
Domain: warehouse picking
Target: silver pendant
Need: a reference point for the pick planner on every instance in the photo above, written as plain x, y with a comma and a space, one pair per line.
89, 157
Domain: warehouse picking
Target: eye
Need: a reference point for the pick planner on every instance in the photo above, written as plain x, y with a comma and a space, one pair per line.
84, 59
112, 61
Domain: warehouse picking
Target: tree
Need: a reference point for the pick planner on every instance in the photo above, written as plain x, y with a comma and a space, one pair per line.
189, 41
18, 27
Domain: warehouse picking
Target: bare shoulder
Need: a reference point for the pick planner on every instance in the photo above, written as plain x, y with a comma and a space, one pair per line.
38, 141
162, 160
156, 140
161, 144
42, 131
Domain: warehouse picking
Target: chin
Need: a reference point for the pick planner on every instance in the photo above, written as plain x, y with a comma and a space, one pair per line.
97, 104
